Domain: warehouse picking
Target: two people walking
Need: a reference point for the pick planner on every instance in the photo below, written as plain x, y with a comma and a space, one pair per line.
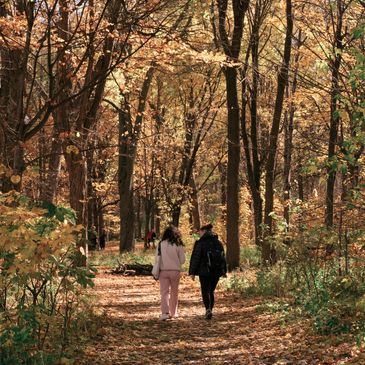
207, 261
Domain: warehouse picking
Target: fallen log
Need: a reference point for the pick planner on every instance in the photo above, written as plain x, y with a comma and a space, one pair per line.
132, 269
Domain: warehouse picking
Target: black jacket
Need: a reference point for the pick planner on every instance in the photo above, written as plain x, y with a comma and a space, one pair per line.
199, 257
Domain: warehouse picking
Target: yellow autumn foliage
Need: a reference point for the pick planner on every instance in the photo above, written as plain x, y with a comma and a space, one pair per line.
40, 287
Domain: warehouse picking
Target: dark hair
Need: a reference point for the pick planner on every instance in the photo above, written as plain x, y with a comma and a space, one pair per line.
173, 236
207, 227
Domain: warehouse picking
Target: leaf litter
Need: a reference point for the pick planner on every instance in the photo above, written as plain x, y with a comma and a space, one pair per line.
130, 333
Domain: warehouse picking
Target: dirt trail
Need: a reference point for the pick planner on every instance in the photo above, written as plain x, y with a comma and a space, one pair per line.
130, 332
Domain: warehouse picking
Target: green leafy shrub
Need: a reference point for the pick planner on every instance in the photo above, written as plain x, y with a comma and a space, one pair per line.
40, 287
238, 283
329, 288
250, 256
253, 282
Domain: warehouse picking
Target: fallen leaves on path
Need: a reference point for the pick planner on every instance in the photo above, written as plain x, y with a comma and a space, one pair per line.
130, 332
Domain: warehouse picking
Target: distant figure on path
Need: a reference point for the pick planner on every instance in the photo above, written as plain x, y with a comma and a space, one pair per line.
209, 262
151, 236
102, 240
92, 236
172, 257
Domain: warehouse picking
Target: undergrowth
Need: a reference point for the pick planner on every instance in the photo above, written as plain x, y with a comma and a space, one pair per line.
44, 306
303, 284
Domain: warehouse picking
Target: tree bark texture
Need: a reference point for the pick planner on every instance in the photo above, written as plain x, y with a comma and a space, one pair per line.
233, 208
334, 117
12, 96
128, 140
268, 251
288, 135
195, 208
250, 136
231, 49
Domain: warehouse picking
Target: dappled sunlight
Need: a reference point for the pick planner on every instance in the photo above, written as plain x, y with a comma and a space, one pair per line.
238, 334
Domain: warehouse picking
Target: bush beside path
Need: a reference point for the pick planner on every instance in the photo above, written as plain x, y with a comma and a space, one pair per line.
130, 332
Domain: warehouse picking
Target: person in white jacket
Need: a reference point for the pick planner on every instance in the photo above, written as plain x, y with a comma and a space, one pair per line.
172, 254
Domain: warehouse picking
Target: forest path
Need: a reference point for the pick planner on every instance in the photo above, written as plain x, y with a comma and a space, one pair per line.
130, 332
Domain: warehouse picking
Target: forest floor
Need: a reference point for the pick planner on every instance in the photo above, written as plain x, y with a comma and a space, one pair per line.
130, 333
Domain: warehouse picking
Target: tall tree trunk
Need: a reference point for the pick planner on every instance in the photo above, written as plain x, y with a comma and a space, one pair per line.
128, 139
288, 142
187, 162
125, 181
288, 136
233, 207
232, 50
256, 163
251, 138
268, 251
334, 117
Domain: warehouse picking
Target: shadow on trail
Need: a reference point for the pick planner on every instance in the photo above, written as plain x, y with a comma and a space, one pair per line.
131, 333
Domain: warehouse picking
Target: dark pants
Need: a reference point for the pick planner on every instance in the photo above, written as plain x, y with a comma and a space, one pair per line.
208, 285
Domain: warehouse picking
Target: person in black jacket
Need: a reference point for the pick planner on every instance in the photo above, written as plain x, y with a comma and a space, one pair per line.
209, 263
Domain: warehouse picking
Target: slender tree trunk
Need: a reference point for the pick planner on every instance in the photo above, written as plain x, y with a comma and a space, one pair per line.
125, 180
49, 189
258, 217
138, 233
186, 167
288, 138
268, 251
153, 214
128, 139
100, 217
90, 190
195, 210
288, 135
256, 163
251, 139
147, 211
334, 117
157, 220
176, 211
41, 163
